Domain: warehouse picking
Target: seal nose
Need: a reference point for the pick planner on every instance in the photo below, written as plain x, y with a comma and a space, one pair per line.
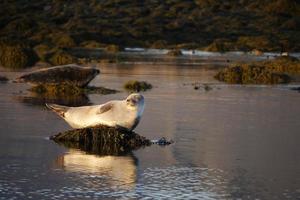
97, 71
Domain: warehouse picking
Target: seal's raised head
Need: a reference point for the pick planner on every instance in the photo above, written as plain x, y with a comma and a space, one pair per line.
135, 100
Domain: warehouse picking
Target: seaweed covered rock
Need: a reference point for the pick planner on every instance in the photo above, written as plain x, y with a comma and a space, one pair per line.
284, 64
62, 57
43, 51
274, 71
251, 74
68, 90
219, 45
57, 89
15, 55
112, 48
137, 86
63, 40
65, 74
174, 52
102, 140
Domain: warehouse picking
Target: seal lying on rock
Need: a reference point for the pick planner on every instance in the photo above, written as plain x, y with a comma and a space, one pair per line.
67, 74
123, 113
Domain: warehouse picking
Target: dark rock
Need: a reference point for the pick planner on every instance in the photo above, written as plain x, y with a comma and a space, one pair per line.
14, 55
65, 74
62, 57
102, 140
99, 90
137, 86
174, 52
296, 89
162, 141
3, 79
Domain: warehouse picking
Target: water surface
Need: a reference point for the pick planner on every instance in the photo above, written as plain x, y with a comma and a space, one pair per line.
231, 142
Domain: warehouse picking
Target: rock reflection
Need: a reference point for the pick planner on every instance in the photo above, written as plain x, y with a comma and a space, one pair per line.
40, 100
119, 171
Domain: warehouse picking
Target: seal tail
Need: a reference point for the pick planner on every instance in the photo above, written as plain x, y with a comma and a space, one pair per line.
58, 109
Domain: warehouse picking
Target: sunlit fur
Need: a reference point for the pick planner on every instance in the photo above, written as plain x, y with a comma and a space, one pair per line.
118, 113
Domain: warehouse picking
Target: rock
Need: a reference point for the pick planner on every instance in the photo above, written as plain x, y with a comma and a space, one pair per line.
112, 48
101, 140
162, 141
274, 71
3, 79
61, 57
68, 90
137, 86
296, 89
257, 52
99, 90
218, 45
14, 55
174, 52
251, 74
66, 74
40, 99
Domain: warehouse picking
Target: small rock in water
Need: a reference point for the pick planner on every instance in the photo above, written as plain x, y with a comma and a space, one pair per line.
162, 141
3, 79
296, 89
207, 87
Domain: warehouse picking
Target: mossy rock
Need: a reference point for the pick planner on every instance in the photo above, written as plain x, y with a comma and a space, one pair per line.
102, 140
63, 40
43, 51
260, 43
284, 64
274, 71
16, 56
91, 44
174, 52
62, 57
251, 74
137, 86
56, 90
112, 48
99, 90
64, 74
219, 45
160, 44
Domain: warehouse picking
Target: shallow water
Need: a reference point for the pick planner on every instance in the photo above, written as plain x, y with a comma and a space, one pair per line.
231, 142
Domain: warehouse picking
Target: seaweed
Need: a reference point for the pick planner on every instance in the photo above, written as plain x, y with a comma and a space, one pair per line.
274, 71
174, 52
137, 86
102, 140
16, 55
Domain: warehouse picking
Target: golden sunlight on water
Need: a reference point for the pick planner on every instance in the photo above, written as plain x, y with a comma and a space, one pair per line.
118, 169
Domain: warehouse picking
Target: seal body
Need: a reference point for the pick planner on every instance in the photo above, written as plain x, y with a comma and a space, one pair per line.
118, 113
70, 74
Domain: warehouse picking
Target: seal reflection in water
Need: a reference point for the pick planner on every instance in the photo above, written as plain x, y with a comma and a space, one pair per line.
118, 113
119, 170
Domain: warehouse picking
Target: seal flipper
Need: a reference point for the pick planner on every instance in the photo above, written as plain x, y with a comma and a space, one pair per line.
104, 108
60, 110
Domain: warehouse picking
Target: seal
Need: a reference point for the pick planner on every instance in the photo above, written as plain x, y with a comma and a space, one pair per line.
70, 74
117, 113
